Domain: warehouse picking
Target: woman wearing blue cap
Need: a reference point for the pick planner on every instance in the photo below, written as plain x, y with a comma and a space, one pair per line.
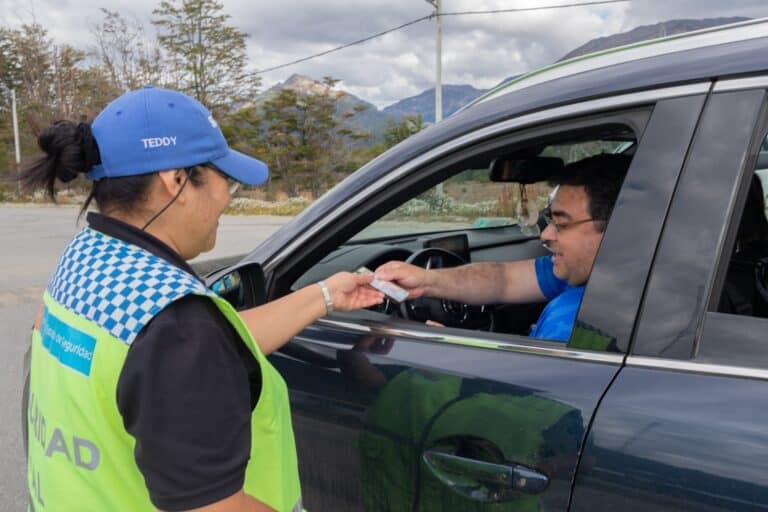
148, 391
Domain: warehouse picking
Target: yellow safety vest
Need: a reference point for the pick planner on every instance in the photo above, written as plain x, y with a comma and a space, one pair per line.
104, 291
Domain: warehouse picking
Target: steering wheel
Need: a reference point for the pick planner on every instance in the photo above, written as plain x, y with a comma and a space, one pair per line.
447, 312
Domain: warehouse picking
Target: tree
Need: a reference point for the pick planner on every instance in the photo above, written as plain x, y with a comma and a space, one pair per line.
305, 145
397, 131
129, 58
209, 54
10, 76
51, 83
282, 138
10, 64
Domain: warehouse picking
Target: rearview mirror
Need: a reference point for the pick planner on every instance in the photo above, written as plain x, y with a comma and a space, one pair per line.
525, 170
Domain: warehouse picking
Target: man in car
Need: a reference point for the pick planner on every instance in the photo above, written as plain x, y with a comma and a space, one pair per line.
577, 218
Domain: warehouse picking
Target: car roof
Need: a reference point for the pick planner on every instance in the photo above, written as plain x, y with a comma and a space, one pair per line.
695, 44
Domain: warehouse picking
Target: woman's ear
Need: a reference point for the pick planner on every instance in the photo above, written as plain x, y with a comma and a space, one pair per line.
171, 181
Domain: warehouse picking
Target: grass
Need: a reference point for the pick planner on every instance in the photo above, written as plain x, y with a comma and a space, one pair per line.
246, 206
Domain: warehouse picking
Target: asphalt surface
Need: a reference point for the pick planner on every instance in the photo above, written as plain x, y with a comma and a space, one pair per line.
32, 240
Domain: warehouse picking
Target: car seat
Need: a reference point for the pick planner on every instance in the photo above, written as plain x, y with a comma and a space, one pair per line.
744, 291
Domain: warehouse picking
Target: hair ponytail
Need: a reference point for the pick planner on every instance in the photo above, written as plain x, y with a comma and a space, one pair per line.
70, 149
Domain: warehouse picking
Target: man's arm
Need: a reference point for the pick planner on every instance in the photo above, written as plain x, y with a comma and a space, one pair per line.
476, 283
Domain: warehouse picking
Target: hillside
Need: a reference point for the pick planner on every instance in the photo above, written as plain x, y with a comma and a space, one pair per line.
646, 32
454, 97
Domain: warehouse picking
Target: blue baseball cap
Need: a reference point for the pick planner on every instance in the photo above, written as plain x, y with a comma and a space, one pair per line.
153, 129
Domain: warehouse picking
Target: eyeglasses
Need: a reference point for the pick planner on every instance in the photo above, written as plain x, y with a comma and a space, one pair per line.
562, 226
232, 184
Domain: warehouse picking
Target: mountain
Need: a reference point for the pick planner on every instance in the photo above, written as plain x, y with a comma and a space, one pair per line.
454, 97
642, 33
374, 120
370, 119
646, 32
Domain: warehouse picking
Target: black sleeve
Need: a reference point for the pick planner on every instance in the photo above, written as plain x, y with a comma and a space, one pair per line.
185, 396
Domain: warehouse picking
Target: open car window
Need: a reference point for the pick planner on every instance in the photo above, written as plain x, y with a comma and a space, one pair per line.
472, 200
488, 208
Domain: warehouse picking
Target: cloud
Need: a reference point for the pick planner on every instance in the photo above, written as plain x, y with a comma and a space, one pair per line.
479, 50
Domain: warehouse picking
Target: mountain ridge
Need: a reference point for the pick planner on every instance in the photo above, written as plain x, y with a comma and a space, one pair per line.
374, 120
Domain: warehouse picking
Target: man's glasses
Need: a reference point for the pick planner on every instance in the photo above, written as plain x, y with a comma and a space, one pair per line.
561, 226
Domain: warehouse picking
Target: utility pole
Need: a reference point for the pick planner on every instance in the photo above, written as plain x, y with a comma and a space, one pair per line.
438, 62
438, 75
16, 138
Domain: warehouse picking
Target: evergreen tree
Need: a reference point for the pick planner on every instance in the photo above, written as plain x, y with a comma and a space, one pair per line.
305, 146
208, 54
51, 82
397, 131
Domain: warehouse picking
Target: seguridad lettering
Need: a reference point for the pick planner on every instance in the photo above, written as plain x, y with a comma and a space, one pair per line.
158, 142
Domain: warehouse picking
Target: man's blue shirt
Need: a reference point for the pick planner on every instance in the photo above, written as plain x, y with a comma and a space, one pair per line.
556, 321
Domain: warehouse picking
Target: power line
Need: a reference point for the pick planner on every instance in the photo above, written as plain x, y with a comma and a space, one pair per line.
353, 43
523, 9
430, 16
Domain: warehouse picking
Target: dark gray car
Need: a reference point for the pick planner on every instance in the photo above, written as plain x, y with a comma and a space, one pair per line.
657, 401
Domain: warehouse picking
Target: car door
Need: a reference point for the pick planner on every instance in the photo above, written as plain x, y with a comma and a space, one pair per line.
683, 427
393, 415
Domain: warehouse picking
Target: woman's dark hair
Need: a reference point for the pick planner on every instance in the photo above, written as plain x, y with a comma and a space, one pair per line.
70, 149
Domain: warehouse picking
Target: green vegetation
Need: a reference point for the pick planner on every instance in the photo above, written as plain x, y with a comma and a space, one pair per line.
197, 50
207, 55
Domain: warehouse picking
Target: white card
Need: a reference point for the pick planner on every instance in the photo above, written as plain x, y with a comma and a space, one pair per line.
389, 289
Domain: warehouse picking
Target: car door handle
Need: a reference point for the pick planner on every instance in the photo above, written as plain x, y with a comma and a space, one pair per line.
483, 480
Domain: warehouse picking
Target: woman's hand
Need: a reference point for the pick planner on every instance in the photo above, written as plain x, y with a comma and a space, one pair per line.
275, 323
352, 291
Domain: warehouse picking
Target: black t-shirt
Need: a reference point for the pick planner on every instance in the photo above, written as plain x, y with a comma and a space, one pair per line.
186, 392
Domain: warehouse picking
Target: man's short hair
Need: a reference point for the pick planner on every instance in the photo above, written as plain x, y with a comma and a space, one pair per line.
601, 176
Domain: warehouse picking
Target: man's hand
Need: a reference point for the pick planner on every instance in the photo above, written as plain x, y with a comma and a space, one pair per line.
352, 291
405, 275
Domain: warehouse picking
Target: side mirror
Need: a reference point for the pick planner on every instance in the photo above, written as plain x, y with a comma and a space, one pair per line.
524, 170
243, 286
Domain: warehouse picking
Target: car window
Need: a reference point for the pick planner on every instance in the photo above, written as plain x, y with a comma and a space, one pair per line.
470, 200
737, 318
744, 290
481, 215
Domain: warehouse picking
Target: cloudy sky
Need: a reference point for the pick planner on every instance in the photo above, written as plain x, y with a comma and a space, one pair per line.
479, 50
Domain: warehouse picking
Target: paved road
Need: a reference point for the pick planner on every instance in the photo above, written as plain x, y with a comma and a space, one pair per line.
32, 240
